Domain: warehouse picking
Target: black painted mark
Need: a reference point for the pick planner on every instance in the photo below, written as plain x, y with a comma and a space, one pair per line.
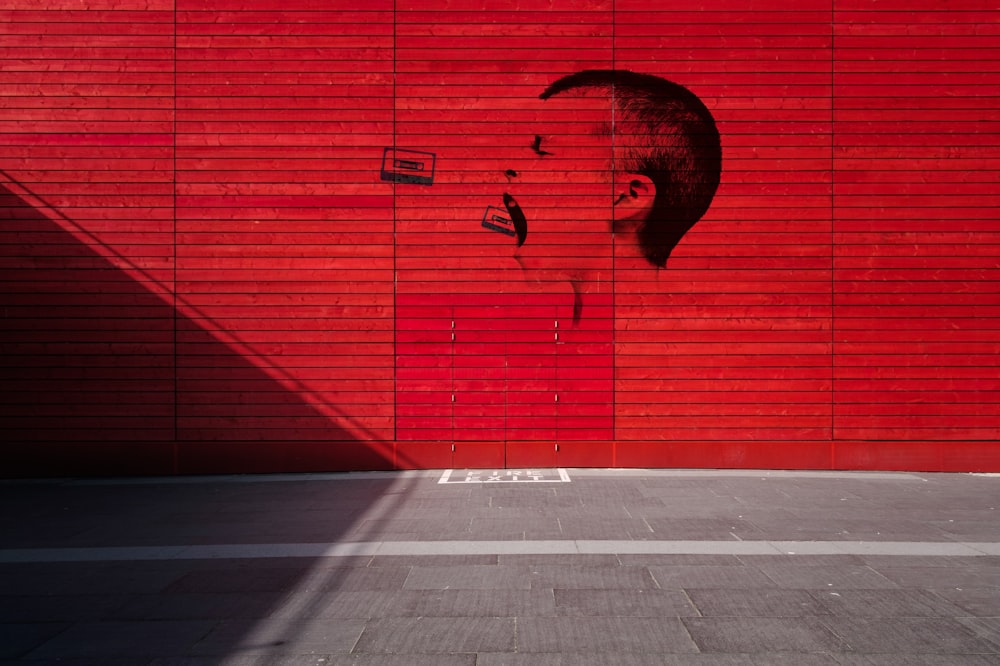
537, 147
517, 218
408, 166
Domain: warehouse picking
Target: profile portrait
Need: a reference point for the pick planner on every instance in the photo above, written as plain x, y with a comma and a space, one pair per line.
611, 154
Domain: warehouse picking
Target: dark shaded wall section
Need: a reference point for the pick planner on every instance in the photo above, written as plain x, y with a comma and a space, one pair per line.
202, 268
93, 383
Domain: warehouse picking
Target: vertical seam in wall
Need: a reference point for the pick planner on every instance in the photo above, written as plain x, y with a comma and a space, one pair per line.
833, 218
174, 289
395, 285
614, 277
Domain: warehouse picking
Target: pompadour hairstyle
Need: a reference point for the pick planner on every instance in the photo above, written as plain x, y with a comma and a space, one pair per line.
663, 131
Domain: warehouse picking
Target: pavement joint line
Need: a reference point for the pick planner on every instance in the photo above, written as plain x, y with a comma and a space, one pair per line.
588, 472
534, 547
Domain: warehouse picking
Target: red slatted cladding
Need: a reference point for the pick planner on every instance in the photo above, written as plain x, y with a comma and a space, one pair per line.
256, 236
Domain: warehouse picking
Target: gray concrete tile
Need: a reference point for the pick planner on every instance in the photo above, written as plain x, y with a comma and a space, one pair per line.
280, 636
798, 659
756, 603
237, 579
908, 635
432, 635
153, 638
507, 659
615, 658
843, 577
474, 577
750, 635
81, 661
622, 603
926, 660
885, 603
195, 606
591, 578
969, 576
399, 660
325, 579
978, 601
704, 529
337, 604
244, 660
56, 608
391, 529
987, 628
493, 524
482, 603
605, 635
712, 577
20, 638
88, 578
588, 527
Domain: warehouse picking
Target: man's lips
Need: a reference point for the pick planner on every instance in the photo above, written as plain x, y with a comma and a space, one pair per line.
517, 218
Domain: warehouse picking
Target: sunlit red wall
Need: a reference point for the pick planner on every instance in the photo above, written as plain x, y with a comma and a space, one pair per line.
203, 267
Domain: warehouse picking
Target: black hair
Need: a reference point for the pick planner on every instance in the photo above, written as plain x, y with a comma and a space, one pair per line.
663, 131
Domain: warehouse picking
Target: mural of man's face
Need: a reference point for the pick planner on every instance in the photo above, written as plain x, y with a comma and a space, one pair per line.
564, 195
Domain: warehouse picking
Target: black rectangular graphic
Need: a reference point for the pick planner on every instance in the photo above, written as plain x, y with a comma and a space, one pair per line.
497, 219
408, 166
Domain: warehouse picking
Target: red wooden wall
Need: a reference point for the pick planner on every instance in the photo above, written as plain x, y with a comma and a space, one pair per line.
202, 268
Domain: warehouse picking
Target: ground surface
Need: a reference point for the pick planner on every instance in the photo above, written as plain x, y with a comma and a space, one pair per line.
579, 567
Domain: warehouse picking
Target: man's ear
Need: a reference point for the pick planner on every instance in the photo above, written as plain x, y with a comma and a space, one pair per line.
634, 196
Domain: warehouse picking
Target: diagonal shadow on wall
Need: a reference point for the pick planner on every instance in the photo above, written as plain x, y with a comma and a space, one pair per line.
91, 381
91, 385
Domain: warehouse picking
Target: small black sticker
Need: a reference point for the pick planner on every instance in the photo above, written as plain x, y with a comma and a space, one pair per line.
408, 166
498, 219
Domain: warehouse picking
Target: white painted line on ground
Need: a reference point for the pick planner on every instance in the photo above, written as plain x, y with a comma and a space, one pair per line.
513, 547
505, 476
677, 547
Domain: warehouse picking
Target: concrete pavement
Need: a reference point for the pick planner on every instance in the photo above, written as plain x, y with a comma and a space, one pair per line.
491, 567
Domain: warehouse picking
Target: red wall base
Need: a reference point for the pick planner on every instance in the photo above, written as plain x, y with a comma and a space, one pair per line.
164, 458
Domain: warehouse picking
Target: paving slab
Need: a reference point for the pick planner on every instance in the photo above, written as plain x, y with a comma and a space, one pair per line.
909, 636
603, 634
623, 603
711, 577
433, 635
570, 575
20, 638
468, 577
758, 634
880, 603
116, 639
281, 636
821, 577
482, 603
756, 603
